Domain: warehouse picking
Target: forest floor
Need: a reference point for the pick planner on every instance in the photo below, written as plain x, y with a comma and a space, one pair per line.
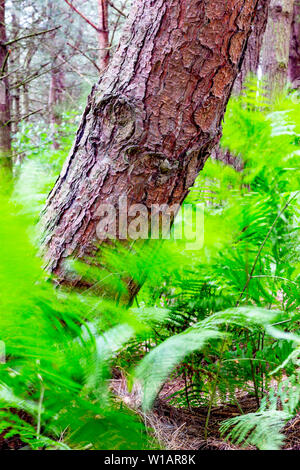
183, 429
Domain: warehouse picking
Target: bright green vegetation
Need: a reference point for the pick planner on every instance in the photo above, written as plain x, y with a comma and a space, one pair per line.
225, 318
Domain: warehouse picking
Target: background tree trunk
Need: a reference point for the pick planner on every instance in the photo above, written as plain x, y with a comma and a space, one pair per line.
249, 66
25, 88
151, 123
57, 83
15, 64
252, 53
102, 30
103, 34
56, 96
5, 118
276, 44
294, 63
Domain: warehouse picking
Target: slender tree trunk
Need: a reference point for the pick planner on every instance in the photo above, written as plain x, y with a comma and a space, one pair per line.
57, 84
52, 109
25, 88
5, 118
56, 95
252, 53
276, 44
16, 110
294, 62
151, 123
103, 34
15, 64
25, 100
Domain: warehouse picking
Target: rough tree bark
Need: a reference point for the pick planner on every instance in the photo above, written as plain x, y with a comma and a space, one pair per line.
252, 54
5, 118
153, 119
294, 62
276, 44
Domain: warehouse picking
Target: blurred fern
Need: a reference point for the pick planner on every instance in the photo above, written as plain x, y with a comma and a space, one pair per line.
54, 385
224, 317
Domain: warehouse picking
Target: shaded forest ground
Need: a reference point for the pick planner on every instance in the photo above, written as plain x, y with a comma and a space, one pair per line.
183, 429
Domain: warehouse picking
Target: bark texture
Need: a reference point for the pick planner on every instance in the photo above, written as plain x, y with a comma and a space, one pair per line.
252, 54
294, 63
276, 44
5, 118
153, 119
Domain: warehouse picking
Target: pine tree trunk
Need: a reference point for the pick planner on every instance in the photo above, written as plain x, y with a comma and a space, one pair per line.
152, 121
5, 118
103, 34
294, 63
252, 54
276, 44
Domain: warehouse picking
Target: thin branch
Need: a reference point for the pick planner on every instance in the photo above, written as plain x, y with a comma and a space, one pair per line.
4, 63
22, 118
31, 36
83, 17
114, 31
85, 55
32, 77
72, 68
12, 72
117, 9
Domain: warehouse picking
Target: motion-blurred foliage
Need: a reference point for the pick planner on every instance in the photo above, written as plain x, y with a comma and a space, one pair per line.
225, 318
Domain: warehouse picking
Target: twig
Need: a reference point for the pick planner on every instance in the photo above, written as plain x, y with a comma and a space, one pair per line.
22, 118
12, 72
4, 64
31, 35
117, 9
85, 55
72, 68
84, 17
36, 75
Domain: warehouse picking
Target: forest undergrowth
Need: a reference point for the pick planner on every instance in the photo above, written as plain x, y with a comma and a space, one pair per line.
207, 354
